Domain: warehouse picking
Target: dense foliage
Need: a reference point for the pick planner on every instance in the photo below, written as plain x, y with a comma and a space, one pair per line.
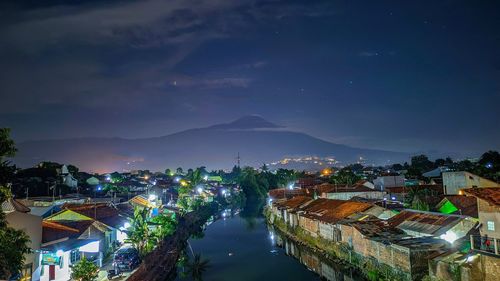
13, 243
84, 270
145, 232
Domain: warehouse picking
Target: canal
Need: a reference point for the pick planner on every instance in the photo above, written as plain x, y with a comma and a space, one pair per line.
240, 246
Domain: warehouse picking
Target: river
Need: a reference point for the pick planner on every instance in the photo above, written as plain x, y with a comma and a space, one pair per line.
240, 246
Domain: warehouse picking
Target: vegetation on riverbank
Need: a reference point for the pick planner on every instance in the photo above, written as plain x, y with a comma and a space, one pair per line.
371, 269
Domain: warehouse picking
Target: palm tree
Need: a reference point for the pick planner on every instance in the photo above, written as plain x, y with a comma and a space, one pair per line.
139, 233
197, 267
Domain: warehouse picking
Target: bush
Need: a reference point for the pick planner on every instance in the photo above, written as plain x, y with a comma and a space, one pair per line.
84, 270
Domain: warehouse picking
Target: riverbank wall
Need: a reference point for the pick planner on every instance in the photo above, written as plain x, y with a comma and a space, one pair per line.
370, 268
160, 264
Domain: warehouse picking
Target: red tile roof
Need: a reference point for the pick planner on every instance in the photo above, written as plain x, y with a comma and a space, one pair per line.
293, 202
488, 194
330, 210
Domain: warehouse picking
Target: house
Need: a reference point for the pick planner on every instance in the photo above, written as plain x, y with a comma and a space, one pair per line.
286, 210
330, 191
458, 204
285, 193
435, 176
18, 216
453, 182
67, 237
79, 226
107, 214
383, 182
488, 204
379, 240
317, 217
92, 181
445, 226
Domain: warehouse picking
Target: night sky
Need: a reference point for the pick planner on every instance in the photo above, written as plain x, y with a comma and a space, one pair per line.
397, 75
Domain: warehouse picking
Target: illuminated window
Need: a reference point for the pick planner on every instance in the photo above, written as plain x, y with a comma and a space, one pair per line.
491, 225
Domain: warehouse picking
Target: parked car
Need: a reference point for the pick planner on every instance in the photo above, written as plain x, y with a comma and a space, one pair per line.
126, 258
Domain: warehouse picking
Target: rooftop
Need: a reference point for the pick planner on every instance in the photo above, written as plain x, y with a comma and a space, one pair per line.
488, 194
11, 205
424, 222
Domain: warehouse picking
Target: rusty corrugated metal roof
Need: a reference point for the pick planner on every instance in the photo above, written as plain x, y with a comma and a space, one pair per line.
488, 194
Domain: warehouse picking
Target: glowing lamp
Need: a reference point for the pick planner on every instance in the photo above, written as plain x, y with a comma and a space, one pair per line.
59, 253
449, 237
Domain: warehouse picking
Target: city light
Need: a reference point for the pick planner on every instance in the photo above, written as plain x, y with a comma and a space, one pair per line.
59, 253
126, 225
152, 197
92, 247
205, 177
200, 190
177, 179
449, 237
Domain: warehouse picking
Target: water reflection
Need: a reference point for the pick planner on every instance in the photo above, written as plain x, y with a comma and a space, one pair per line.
240, 246
324, 267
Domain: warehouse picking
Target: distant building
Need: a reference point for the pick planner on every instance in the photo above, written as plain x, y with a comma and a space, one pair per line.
383, 182
331, 191
453, 182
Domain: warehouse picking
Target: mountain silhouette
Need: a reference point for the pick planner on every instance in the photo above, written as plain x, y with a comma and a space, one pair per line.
257, 141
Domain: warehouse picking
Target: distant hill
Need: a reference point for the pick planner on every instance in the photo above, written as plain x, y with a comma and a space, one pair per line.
256, 139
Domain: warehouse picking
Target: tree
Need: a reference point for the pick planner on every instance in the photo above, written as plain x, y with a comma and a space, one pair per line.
168, 172
139, 234
179, 171
13, 243
84, 270
165, 225
197, 267
7, 146
7, 149
345, 177
249, 184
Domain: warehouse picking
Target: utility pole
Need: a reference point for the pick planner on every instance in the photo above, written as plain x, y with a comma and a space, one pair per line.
238, 159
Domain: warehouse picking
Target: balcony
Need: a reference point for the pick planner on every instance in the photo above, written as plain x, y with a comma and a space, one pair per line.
485, 244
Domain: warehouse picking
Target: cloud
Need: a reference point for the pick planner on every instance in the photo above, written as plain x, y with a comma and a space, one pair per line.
95, 54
